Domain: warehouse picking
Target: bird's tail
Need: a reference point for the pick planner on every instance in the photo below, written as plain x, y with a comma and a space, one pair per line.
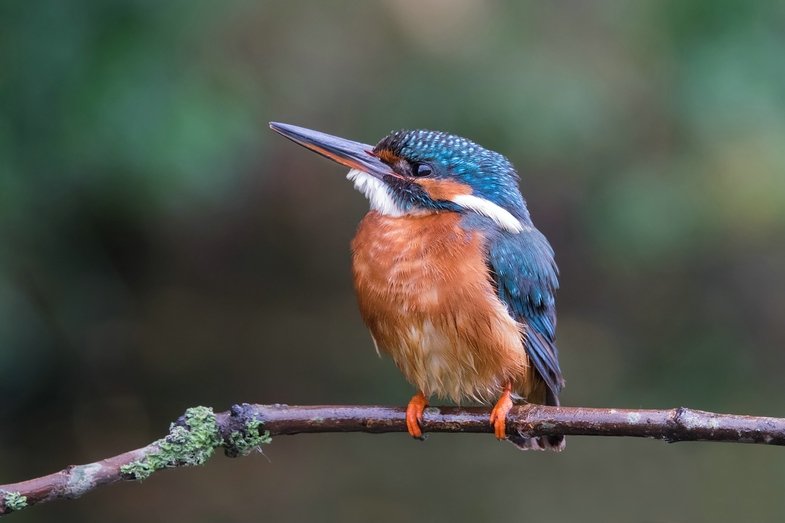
554, 443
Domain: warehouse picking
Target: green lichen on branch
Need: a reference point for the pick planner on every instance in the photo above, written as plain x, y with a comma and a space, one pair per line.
190, 443
14, 501
242, 443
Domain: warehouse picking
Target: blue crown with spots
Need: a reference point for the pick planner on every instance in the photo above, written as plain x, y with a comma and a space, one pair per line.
490, 174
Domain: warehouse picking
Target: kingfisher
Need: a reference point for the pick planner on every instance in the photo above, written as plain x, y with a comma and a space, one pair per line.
452, 278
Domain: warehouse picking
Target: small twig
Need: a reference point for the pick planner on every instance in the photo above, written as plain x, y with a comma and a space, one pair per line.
192, 439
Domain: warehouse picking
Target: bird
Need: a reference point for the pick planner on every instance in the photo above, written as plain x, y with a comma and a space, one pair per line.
452, 278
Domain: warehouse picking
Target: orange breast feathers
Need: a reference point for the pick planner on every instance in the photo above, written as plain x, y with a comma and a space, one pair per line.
426, 295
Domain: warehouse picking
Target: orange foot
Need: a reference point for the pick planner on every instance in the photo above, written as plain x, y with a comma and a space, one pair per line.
414, 414
499, 414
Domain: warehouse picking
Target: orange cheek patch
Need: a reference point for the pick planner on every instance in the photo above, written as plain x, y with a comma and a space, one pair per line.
443, 189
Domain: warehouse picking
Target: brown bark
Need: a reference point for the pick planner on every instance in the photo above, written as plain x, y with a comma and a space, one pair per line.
680, 424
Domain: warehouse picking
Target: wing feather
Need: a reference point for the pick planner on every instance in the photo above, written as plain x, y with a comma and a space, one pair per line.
526, 280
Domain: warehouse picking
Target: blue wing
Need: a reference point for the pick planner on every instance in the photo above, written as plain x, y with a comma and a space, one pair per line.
526, 280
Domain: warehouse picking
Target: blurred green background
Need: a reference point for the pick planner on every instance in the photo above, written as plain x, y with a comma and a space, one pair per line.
160, 248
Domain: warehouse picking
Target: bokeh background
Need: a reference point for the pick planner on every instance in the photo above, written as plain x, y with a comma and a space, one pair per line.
160, 248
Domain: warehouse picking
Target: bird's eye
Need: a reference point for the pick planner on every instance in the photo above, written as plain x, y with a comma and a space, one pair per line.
422, 169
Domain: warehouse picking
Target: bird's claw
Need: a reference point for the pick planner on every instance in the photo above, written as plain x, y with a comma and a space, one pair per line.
498, 418
414, 415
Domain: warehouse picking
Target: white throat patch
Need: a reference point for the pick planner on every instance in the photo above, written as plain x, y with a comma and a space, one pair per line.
376, 192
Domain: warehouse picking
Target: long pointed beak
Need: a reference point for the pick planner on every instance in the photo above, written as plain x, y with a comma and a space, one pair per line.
354, 155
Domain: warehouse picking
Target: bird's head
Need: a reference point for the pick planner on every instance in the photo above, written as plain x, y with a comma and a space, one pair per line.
419, 172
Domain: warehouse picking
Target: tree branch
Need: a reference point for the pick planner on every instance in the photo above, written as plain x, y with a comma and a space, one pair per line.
192, 439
